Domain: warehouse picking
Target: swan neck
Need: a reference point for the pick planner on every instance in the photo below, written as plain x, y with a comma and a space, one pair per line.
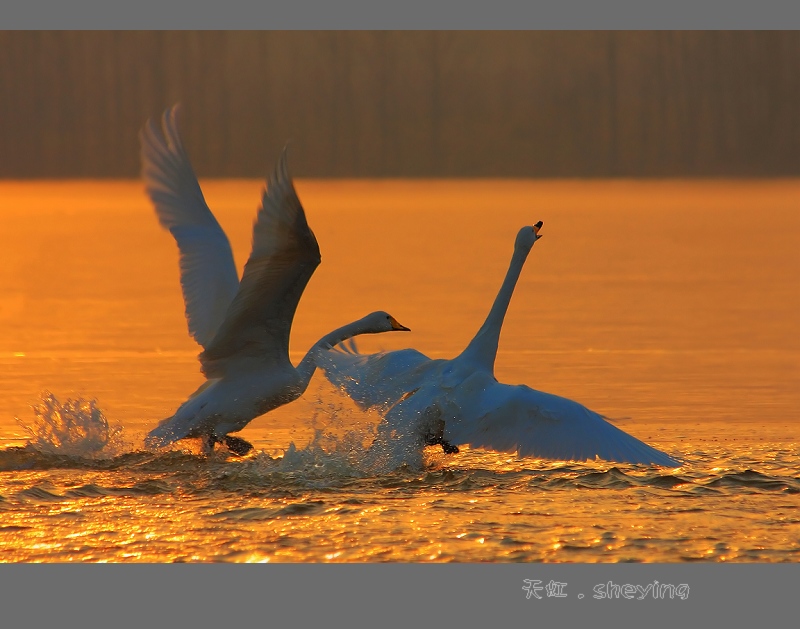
308, 365
306, 369
483, 348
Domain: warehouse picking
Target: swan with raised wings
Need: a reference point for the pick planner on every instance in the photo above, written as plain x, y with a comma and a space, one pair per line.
242, 326
460, 402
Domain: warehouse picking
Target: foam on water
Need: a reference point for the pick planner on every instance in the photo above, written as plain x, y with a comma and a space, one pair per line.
348, 439
325, 501
334, 455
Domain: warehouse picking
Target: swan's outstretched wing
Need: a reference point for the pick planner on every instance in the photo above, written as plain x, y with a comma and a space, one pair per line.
283, 258
375, 380
208, 273
518, 419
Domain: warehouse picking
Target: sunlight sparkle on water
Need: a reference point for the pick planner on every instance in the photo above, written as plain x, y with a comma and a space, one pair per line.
684, 338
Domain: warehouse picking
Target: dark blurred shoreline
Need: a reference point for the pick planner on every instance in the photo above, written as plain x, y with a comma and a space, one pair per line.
407, 104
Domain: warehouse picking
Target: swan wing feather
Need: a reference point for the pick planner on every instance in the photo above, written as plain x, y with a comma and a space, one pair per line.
518, 419
208, 274
375, 380
284, 256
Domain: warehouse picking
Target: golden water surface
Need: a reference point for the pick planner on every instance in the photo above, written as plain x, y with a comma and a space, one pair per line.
670, 307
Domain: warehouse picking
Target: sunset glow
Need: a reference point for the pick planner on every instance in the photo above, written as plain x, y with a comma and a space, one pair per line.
669, 307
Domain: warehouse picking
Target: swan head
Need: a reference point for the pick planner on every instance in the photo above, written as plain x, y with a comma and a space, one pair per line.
527, 236
381, 321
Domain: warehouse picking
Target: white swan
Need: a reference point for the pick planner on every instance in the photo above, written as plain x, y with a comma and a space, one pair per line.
459, 401
244, 326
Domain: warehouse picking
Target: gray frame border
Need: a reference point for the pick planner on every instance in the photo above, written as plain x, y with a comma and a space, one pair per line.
397, 594
393, 595
409, 14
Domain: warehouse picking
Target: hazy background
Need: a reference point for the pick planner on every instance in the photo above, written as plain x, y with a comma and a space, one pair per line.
406, 103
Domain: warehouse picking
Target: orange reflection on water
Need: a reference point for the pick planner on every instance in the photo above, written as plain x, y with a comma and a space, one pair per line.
670, 307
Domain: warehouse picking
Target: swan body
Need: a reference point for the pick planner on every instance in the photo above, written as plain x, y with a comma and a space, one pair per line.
242, 326
460, 402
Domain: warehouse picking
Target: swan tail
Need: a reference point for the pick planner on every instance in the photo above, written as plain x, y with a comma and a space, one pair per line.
187, 420
179, 425
161, 436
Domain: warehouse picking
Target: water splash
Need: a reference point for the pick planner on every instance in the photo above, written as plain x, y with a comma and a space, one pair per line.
347, 437
75, 428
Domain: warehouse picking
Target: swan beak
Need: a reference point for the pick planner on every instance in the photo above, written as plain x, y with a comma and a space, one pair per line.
396, 325
537, 227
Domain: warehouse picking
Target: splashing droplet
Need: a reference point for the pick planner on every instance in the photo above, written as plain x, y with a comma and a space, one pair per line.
77, 427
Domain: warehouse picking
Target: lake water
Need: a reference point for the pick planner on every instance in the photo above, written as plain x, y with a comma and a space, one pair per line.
670, 307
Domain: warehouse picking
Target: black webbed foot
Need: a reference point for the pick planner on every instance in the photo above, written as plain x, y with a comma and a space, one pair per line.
237, 445
432, 440
448, 447
208, 443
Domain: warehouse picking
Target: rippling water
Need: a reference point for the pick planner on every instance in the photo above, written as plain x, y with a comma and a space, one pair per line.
670, 307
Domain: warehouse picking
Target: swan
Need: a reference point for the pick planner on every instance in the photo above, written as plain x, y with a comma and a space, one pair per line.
242, 326
459, 401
